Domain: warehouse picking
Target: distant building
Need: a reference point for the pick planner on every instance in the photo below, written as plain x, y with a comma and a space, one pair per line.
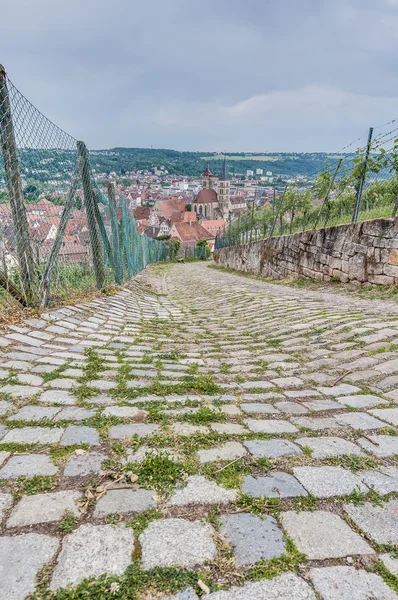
209, 203
259, 171
269, 173
249, 173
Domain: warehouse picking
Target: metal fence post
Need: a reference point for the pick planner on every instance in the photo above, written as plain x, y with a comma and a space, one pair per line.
15, 193
361, 183
326, 198
90, 211
115, 234
44, 290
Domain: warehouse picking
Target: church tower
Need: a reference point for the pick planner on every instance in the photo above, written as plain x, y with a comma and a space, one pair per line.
224, 191
208, 179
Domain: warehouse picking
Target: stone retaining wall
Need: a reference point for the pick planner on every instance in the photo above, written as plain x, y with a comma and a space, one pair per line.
362, 252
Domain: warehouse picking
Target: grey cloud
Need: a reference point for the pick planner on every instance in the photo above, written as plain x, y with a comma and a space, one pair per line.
202, 74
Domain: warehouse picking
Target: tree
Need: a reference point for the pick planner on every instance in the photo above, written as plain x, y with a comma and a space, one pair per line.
188, 207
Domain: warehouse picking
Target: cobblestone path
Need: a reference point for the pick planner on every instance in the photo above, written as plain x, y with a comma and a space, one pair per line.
201, 434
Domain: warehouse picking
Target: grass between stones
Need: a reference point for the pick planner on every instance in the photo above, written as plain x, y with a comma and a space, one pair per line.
68, 523
129, 586
289, 561
33, 485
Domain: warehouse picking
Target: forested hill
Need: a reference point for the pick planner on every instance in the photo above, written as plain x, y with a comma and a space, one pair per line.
193, 163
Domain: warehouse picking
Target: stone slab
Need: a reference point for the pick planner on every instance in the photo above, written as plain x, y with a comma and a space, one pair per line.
386, 414
378, 522
199, 490
361, 421
124, 502
324, 447
44, 508
87, 464
292, 408
3, 456
253, 538
285, 587
271, 426
258, 408
349, 583
5, 503
34, 435
342, 389
91, 551
276, 485
317, 423
127, 412
57, 397
228, 428
177, 542
361, 401
271, 448
27, 465
20, 391
21, 559
122, 432
325, 482
80, 434
227, 452
390, 563
323, 534
381, 445
74, 413
383, 480
34, 413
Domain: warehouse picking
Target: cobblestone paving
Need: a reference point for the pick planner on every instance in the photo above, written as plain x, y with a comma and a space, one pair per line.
201, 433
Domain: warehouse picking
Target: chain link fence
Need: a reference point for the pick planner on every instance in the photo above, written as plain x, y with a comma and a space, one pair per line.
61, 235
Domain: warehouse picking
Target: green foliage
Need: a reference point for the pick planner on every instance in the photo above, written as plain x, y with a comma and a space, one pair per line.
158, 472
132, 585
289, 561
33, 485
204, 416
142, 520
68, 523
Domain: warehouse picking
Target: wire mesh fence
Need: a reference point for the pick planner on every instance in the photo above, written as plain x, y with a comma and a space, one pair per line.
353, 187
60, 233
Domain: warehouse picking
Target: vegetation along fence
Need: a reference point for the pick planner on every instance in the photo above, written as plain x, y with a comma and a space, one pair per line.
60, 234
352, 187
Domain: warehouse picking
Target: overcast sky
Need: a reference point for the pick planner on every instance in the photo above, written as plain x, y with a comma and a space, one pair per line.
222, 75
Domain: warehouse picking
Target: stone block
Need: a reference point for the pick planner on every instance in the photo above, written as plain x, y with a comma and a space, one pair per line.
21, 559
272, 448
227, 452
275, 485
27, 465
326, 482
349, 583
177, 542
124, 502
91, 551
253, 538
322, 534
44, 508
200, 490
378, 522
288, 586
87, 464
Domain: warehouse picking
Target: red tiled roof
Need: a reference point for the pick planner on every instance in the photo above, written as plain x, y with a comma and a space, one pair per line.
191, 232
206, 197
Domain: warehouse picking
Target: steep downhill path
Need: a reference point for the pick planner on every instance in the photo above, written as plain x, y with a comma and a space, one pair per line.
201, 433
